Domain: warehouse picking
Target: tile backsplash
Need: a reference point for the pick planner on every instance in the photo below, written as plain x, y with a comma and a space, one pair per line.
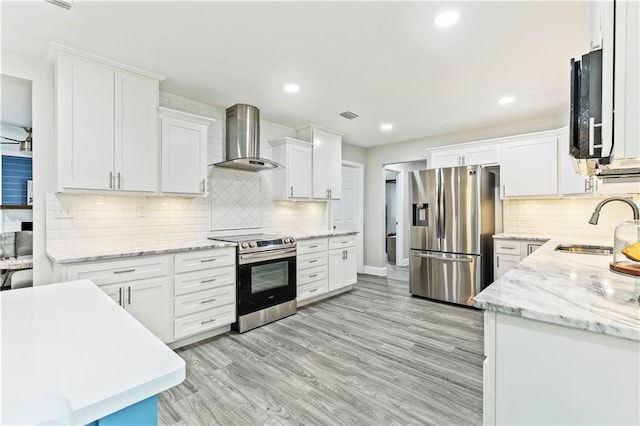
566, 216
246, 206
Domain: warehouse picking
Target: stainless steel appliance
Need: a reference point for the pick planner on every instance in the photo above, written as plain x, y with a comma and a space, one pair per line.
243, 140
451, 230
265, 279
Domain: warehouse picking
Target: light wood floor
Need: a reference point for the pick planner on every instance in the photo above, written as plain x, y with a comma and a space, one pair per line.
373, 356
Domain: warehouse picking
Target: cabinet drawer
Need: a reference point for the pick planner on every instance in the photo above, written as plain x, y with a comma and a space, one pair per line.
311, 260
189, 282
312, 289
313, 274
342, 242
203, 300
507, 247
202, 321
312, 246
118, 271
204, 259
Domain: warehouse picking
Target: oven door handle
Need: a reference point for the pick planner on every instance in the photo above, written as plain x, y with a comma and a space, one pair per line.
266, 256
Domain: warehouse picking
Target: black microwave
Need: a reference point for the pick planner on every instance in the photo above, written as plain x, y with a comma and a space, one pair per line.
586, 110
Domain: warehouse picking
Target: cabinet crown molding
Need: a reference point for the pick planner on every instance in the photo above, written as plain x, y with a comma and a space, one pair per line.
55, 49
315, 126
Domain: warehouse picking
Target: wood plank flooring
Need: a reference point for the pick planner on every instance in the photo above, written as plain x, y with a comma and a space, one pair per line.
373, 356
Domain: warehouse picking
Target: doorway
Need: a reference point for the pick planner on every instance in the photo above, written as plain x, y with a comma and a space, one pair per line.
16, 183
397, 212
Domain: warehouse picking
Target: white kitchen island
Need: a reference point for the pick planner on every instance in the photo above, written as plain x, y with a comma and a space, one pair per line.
70, 355
562, 342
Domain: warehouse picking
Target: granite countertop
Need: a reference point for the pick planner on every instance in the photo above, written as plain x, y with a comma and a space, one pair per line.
73, 356
307, 235
574, 290
121, 251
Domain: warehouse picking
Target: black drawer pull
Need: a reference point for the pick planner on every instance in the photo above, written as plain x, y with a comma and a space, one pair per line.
207, 321
207, 260
124, 271
207, 281
207, 301
313, 275
313, 246
312, 290
313, 261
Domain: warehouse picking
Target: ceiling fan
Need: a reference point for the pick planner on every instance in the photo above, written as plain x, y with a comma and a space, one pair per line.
25, 145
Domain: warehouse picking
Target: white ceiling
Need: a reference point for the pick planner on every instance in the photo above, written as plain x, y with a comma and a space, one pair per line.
385, 61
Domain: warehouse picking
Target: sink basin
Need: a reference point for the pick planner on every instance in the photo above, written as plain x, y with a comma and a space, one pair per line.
585, 249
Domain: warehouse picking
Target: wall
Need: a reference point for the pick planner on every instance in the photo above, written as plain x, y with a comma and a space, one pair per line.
354, 153
40, 73
564, 217
413, 150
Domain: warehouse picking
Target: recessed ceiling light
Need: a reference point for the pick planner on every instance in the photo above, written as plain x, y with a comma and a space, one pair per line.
291, 88
386, 127
447, 18
505, 100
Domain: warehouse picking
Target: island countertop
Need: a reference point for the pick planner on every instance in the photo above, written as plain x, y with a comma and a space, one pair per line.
574, 290
71, 355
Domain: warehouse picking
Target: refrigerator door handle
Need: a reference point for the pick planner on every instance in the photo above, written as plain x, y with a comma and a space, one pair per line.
445, 259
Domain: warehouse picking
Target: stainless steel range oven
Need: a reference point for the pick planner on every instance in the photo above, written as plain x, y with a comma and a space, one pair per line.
266, 279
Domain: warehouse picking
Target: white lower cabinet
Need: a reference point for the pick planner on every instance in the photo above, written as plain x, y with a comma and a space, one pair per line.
509, 252
174, 296
204, 291
343, 262
141, 286
311, 265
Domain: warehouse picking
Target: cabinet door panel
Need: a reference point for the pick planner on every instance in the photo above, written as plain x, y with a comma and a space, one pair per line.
320, 185
530, 168
336, 269
350, 271
444, 159
184, 155
298, 163
147, 301
136, 133
571, 183
114, 291
481, 155
85, 120
334, 165
504, 262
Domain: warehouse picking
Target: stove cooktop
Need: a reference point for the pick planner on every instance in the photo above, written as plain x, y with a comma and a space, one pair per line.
247, 238
258, 242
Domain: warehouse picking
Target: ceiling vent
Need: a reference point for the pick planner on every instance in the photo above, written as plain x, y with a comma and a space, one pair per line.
349, 115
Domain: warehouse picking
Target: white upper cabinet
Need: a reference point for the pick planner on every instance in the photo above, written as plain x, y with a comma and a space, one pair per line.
184, 155
294, 181
529, 168
571, 183
327, 162
464, 155
106, 120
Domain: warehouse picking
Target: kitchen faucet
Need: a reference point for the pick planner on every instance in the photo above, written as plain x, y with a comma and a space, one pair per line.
596, 212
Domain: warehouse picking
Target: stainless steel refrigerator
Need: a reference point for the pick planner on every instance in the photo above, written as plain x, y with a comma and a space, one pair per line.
452, 226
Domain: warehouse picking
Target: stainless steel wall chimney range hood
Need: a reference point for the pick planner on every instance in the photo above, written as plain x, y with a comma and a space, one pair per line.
243, 140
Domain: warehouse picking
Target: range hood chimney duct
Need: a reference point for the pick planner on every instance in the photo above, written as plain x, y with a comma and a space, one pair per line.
243, 140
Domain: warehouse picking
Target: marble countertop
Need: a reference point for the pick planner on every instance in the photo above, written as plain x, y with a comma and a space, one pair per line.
307, 235
574, 290
71, 356
120, 251
524, 237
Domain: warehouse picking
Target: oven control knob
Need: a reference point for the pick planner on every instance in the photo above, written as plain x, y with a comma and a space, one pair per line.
252, 244
287, 241
244, 245
292, 240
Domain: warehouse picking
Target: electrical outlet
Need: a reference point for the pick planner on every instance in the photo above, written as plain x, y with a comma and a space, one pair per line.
64, 211
141, 210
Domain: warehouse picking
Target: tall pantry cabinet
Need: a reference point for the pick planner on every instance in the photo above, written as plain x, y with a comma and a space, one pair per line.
107, 131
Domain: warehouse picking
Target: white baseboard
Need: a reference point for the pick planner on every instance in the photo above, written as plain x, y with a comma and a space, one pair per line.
372, 270
403, 262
